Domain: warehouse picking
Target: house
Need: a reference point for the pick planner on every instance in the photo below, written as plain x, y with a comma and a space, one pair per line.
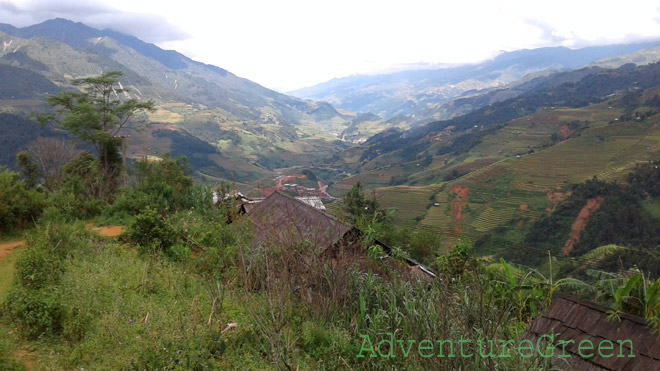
286, 221
618, 342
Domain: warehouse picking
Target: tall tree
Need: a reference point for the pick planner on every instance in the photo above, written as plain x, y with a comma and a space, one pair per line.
96, 115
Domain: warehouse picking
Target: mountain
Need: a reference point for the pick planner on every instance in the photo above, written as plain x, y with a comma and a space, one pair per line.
641, 57
166, 71
251, 129
572, 89
424, 93
499, 174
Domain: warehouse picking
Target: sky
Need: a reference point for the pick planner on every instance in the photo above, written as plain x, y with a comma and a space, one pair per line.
290, 44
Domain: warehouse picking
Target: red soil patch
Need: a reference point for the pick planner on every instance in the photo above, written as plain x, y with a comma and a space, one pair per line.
110, 231
457, 204
107, 231
7, 247
25, 358
524, 207
566, 132
581, 222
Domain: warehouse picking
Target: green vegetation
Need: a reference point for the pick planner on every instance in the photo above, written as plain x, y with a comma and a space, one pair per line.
186, 287
96, 117
20, 203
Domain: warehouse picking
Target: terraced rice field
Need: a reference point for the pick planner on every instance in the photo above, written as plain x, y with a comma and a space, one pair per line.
438, 217
492, 218
164, 116
379, 177
608, 152
409, 202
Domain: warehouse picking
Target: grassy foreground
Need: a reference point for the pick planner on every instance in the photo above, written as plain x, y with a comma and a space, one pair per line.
81, 301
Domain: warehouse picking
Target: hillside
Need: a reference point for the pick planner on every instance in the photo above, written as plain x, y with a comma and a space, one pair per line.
245, 130
494, 173
165, 71
424, 93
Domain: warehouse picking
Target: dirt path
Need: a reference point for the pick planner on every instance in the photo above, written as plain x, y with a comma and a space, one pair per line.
108, 231
7, 247
581, 222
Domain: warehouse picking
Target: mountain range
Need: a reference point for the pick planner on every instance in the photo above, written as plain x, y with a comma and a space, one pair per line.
424, 94
233, 129
245, 130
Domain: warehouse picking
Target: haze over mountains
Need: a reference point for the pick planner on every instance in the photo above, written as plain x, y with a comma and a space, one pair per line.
229, 126
425, 93
234, 129
164, 75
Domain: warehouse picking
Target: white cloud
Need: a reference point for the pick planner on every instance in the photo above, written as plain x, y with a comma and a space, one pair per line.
287, 44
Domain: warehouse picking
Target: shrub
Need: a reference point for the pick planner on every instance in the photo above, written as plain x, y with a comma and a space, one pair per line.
18, 203
324, 343
36, 313
37, 268
151, 232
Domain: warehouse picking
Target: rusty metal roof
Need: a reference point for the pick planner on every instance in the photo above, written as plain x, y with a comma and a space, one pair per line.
573, 319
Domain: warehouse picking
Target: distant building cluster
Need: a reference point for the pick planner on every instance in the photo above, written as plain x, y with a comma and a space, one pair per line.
298, 188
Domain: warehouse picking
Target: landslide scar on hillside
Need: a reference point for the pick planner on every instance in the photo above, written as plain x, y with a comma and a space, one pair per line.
456, 205
580, 222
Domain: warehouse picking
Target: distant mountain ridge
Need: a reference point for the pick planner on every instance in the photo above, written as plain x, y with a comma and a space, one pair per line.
424, 92
573, 89
230, 128
162, 71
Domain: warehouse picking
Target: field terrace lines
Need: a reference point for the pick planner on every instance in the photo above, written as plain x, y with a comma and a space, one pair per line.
604, 151
536, 130
438, 217
379, 177
408, 201
617, 172
492, 218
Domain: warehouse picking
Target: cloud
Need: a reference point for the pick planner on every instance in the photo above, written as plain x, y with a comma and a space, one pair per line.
548, 34
148, 27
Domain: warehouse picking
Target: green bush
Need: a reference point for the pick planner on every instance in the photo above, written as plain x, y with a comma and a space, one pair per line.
177, 252
191, 353
37, 268
151, 232
72, 206
35, 313
33, 303
18, 203
323, 343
